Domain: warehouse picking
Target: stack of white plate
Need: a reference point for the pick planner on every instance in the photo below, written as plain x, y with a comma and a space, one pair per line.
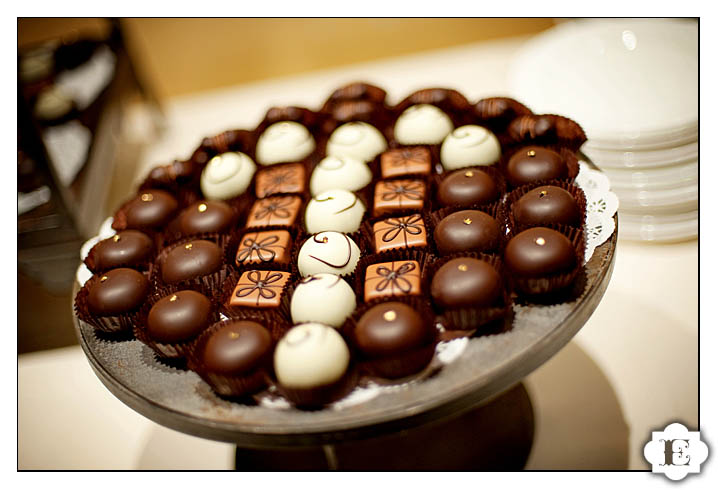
633, 87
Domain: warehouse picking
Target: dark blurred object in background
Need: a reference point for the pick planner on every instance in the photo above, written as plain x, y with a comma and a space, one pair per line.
73, 93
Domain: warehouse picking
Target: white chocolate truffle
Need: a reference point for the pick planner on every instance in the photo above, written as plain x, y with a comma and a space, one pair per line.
52, 103
422, 124
227, 175
469, 146
285, 141
310, 355
328, 252
334, 294
339, 173
356, 140
334, 210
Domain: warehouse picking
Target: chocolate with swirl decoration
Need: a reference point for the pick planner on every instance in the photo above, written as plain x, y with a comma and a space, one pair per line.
282, 179
406, 161
274, 211
398, 278
398, 195
403, 232
259, 289
264, 246
330, 252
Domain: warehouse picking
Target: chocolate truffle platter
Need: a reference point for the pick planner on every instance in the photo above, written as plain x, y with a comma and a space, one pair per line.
347, 272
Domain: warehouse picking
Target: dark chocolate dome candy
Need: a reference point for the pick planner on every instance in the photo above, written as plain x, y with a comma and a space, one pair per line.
237, 347
117, 291
150, 209
538, 252
179, 317
190, 260
466, 282
534, 164
467, 230
129, 247
467, 187
205, 217
547, 204
390, 328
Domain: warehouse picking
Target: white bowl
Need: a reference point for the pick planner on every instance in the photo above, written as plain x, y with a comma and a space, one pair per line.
630, 83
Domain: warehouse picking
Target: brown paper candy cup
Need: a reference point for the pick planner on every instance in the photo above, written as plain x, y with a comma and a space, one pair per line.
229, 385
276, 318
112, 324
550, 283
400, 364
511, 199
467, 318
495, 210
176, 350
210, 282
320, 396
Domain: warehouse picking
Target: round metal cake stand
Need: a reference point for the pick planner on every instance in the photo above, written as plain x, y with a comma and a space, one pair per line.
489, 366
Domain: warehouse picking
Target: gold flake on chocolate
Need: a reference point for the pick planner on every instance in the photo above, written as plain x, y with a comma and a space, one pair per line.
188, 246
116, 238
467, 221
541, 241
390, 315
463, 268
103, 278
233, 335
468, 173
202, 208
264, 246
147, 197
260, 289
173, 298
531, 153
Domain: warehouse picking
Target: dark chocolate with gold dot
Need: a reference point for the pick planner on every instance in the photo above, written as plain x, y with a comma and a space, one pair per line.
538, 252
466, 282
179, 317
117, 291
191, 260
467, 187
547, 204
467, 230
534, 164
205, 217
150, 209
391, 328
126, 248
236, 348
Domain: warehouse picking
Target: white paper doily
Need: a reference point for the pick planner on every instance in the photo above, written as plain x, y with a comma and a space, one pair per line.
601, 205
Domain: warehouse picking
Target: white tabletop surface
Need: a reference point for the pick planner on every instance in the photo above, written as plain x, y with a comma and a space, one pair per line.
636, 358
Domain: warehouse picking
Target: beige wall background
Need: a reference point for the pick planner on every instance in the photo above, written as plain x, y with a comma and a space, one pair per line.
181, 56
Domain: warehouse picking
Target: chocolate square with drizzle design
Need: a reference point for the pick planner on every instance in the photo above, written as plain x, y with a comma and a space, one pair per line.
264, 246
274, 211
392, 279
398, 195
405, 161
259, 289
403, 232
281, 179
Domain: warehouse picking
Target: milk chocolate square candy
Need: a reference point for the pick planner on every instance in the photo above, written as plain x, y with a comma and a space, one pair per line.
404, 232
264, 246
290, 178
392, 279
398, 195
405, 161
259, 289
274, 211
